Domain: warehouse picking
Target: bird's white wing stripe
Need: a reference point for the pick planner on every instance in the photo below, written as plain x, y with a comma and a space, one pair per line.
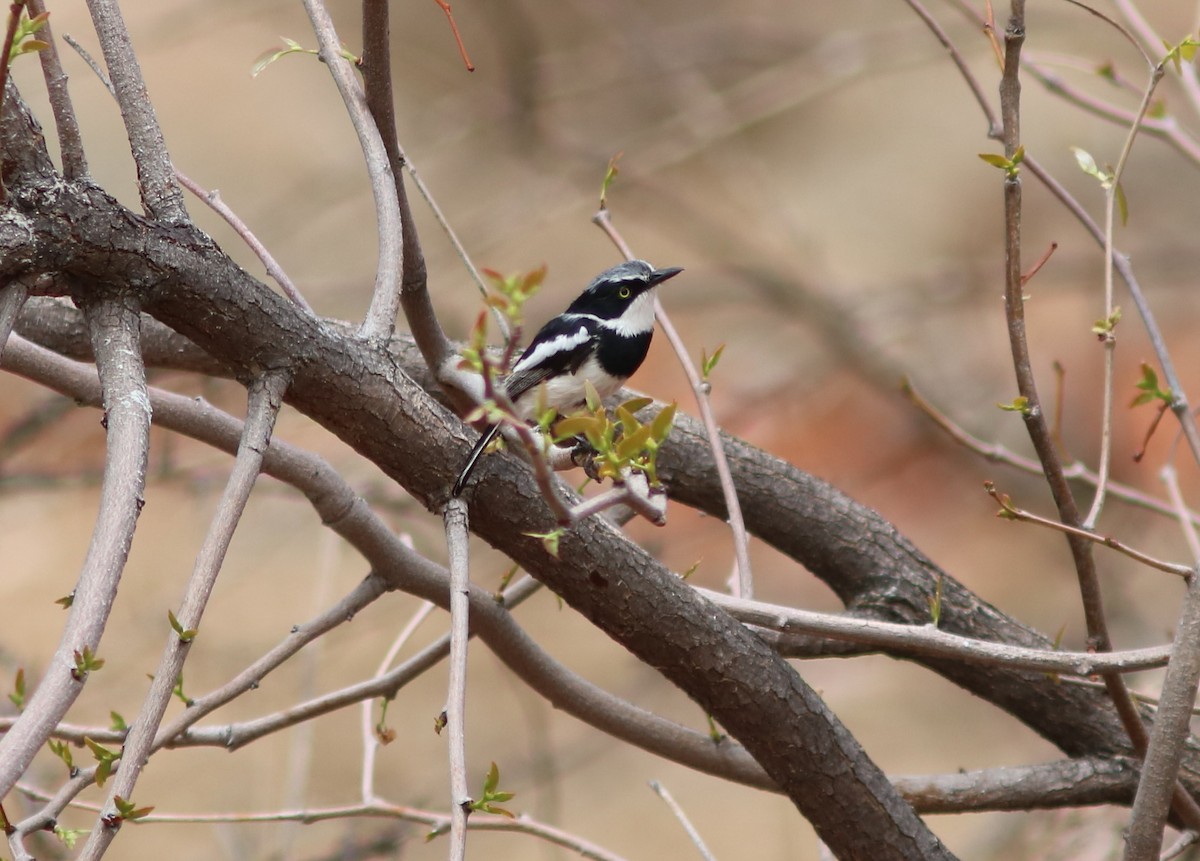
558, 344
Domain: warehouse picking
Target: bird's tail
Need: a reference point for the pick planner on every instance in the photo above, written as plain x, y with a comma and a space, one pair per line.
476, 453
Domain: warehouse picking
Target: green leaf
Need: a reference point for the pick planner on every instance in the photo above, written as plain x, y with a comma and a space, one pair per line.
577, 425
629, 423
610, 176
635, 405
549, 540
184, 635
1122, 204
591, 396
633, 443
17, 697
1086, 163
69, 836
1018, 405
63, 752
707, 362
1105, 328
660, 428
1010, 166
23, 41
491, 780
1150, 390
935, 602
128, 811
118, 722
714, 731
85, 662
272, 54
491, 795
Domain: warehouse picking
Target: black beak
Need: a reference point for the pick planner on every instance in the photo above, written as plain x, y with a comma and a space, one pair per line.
658, 276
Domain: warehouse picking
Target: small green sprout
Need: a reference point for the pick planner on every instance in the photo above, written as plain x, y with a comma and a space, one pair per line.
85, 662
487, 803
105, 759
1010, 166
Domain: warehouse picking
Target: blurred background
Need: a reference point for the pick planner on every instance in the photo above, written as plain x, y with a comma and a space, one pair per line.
814, 168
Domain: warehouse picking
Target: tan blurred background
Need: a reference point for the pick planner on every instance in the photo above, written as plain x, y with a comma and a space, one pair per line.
799, 160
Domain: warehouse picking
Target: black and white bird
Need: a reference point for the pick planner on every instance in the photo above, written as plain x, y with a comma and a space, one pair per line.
602, 338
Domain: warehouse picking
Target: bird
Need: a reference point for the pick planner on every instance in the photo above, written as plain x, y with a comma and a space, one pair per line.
601, 338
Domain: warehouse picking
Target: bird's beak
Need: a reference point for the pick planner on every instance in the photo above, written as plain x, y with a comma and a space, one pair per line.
658, 276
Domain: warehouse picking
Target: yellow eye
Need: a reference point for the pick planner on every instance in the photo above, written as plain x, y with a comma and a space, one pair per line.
624, 292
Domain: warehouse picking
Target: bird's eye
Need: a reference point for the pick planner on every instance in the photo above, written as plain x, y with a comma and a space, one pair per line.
624, 292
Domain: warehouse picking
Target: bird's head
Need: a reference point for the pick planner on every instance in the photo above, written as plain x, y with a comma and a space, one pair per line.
625, 293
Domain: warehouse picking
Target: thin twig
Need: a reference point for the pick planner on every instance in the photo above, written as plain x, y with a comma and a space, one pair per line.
161, 195
436, 822
462, 49
692, 833
1166, 129
1012, 512
1185, 842
1182, 514
930, 640
997, 453
370, 738
456, 701
380, 319
744, 583
219, 206
964, 70
70, 144
1111, 196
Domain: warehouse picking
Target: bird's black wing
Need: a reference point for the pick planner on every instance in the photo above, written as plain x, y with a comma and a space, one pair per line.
561, 346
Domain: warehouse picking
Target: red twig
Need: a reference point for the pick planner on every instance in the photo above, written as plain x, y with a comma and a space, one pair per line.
462, 49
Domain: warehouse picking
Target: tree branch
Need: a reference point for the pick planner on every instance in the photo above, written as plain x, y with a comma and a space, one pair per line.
114, 324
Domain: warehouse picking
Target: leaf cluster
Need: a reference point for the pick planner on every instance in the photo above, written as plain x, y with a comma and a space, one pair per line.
621, 443
23, 37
